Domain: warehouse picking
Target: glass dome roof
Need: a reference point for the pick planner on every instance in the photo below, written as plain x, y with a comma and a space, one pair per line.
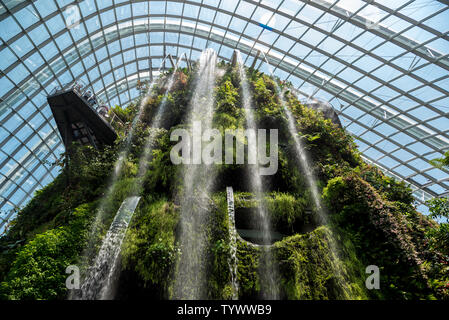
383, 65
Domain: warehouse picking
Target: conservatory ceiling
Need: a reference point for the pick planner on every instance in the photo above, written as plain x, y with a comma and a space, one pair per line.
383, 65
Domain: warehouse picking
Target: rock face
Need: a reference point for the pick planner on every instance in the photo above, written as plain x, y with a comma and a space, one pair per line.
325, 108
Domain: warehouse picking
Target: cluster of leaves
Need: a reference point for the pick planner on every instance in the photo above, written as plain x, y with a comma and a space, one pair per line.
248, 270
312, 270
289, 213
438, 237
380, 235
38, 272
125, 114
82, 180
228, 114
219, 276
387, 187
162, 174
439, 209
442, 162
266, 98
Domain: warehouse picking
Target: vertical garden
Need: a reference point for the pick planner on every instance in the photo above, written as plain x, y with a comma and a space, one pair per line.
371, 218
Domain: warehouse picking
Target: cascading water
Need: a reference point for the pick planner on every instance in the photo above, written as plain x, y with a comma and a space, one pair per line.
155, 123
303, 157
190, 275
118, 166
301, 152
97, 284
322, 217
304, 161
232, 261
269, 271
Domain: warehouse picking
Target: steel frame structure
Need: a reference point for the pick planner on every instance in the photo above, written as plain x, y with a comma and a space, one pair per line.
386, 73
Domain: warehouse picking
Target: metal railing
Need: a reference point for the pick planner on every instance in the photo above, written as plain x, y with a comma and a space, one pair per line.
92, 100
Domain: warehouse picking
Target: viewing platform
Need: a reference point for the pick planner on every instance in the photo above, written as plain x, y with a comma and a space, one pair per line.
81, 116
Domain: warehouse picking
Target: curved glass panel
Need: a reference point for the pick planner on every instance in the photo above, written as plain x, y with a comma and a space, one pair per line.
383, 66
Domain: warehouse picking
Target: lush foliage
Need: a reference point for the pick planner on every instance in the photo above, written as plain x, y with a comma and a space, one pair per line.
360, 213
372, 219
149, 248
38, 271
442, 162
438, 237
312, 270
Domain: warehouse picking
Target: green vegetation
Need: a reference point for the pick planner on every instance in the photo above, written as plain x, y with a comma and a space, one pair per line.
149, 249
372, 218
38, 271
437, 238
311, 270
365, 218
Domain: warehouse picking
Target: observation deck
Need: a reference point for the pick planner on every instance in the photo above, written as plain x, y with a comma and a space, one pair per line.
81, 116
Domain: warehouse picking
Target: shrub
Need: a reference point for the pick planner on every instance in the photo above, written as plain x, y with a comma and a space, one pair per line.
38, 272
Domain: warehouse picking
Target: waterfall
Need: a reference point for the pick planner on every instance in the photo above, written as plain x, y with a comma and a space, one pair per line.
304, 161
302, 156
96, 225
269, 272
195, 203
301, 153
232, 261
97, 284
118, 166
155, 123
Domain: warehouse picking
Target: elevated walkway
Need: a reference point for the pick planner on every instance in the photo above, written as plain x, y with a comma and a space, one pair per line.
80, 116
